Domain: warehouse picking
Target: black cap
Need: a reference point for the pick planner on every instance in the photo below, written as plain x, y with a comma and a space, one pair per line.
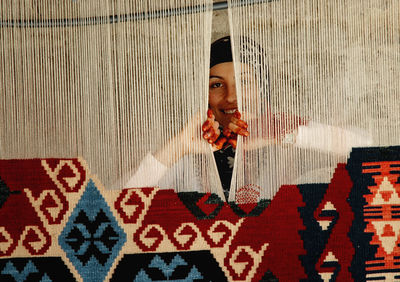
221, 51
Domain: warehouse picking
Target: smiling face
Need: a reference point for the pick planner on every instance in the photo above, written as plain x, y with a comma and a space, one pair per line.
222, 97
222, 92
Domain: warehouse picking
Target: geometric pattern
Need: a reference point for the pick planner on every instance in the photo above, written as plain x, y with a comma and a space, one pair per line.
316, 235
97, 233
226, 235
207, 205
183, 266
168, 269
34, 269
202, 205
328, 219
257, 249
92, 238
72, 229
378, 220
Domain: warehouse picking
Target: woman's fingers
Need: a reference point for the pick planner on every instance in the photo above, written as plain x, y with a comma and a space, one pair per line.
237, 115
220, 143
217, 133
238, 130
210, 128
212, 133
210, 114
206, 125
214, 137
233, 142
237, 126
227, 132
210, 122
215, 126
208, 134
239, 122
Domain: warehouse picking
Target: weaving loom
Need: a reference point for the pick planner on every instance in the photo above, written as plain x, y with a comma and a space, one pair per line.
105, 173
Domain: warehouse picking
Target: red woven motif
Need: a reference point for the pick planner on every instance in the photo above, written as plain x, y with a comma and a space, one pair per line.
129, 205
334, 262
272, 240
52, 203
36, 192
246, 248
68, 174
207, 208
176, 221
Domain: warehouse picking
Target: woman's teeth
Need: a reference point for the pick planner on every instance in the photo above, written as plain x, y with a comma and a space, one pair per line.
229, 111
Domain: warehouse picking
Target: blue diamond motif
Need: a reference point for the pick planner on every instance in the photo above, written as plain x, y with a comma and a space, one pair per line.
92, 237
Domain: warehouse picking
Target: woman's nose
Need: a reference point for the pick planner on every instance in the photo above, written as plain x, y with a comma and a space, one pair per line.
231, 94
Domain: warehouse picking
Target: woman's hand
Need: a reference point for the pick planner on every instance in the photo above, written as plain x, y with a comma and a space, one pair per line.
211, 128
272, 129
236, 127
188, 140
229, 134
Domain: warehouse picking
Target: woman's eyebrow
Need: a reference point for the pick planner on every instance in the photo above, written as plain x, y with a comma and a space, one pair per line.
216, 76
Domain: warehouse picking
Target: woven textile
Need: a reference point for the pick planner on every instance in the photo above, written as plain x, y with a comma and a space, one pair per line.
58, 223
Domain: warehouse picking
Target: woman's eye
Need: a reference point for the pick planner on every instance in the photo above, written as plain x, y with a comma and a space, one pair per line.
216, 85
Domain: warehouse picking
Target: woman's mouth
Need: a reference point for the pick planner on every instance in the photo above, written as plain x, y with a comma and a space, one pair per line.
229, 111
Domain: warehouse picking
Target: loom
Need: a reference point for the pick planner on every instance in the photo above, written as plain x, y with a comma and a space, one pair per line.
98, 88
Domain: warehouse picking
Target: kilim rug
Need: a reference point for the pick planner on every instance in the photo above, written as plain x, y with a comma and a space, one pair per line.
58, 223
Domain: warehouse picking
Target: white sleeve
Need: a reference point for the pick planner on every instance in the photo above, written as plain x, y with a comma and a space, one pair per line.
148, 174
330, 138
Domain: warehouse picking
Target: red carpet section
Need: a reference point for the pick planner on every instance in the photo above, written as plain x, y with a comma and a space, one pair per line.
58, 223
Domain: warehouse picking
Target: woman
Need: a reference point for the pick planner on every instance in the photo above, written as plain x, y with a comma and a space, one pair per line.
220, 129
224, 120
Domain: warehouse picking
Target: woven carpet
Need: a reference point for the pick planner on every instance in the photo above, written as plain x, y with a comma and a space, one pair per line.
58, 223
